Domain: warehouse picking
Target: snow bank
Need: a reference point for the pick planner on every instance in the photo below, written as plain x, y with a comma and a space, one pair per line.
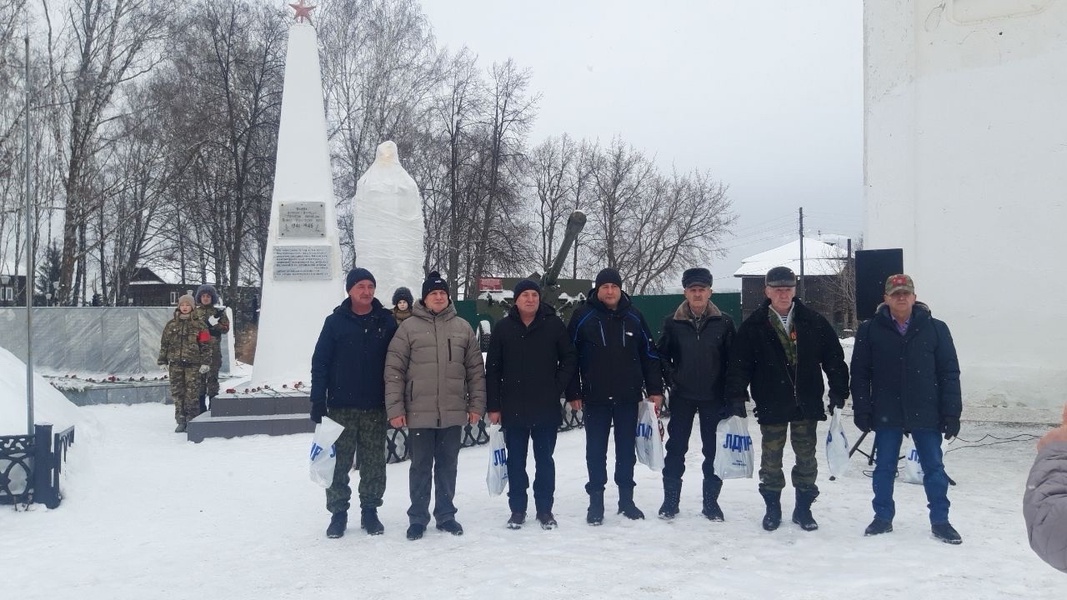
50, 406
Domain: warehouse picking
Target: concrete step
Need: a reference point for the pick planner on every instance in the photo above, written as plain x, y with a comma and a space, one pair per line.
210, 426
233, 405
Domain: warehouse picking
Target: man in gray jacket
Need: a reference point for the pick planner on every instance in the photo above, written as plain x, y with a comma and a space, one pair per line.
1045, 500
434, 385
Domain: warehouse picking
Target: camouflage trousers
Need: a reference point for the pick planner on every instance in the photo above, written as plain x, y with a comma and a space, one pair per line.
212, 377
185, 391
806, 469
364, 434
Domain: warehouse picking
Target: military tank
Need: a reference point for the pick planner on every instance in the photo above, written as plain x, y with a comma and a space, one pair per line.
564, 295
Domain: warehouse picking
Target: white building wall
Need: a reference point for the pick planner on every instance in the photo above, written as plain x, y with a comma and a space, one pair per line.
966, 170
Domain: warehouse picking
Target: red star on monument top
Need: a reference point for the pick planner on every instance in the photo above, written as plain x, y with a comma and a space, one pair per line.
302, 11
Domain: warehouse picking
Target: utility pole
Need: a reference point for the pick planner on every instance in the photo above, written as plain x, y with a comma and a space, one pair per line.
28, 288
800, 284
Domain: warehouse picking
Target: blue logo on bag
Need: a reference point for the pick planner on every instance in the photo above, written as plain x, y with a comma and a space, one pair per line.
500, 457
644, 431
315, 450
737, 443
913, 455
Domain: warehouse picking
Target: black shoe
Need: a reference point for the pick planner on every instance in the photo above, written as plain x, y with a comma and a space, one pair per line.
802, 516
672, 491
773, 519
595, 515
878, 527
180, 428
946, 533
415, 531
338, 524
631, 511
451, 526
713, 512
516, 520
547, 520
370, 523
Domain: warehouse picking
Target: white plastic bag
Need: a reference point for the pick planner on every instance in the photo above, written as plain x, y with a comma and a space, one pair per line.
836, 446
733, 453
323, 452
497, 476
913, 468
649, 439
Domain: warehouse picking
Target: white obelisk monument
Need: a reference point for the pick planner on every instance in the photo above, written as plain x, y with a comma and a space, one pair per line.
302, 275
387, 225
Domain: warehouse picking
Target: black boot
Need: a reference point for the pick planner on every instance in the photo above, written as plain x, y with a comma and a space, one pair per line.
711, 510
369, 522
802, 512
672, 492
338, 524
773, 518
627, 506
595, 514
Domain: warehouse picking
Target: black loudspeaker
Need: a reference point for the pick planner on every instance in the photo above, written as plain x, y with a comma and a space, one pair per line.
873, 267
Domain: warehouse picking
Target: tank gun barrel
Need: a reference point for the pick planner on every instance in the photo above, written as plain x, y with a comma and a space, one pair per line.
575, 224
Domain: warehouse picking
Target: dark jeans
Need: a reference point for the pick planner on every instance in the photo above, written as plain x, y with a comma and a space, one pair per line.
887, 442
680, 428
599, 417
517, 440
434, 458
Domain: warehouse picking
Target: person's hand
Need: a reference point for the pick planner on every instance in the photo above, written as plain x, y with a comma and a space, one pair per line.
657, 399
1058, 434
950, 426
837, 403
318, 411
494, 417
398, 422
576, 405
212, 320
204, 369
473, 417
862, 421
737, 408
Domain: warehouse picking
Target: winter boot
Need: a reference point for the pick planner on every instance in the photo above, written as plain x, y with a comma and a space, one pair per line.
595, 514
180, 428
338, 524
547, 520
878, 527
415, 531
802, 512
711, 509
946, 533
516, 520
369, 522
627, 506
451, 526
672, 492
773, 518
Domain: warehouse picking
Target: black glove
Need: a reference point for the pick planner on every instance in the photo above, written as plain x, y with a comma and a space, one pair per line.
950, 426
862, 421
318, 411
839, 403
739, 409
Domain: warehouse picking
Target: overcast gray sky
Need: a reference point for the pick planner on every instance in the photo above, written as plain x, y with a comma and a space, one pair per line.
768, 95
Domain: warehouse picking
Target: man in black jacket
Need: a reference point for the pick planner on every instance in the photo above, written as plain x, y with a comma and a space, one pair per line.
906, 379
779, 351
617, 365
693, 350
348, 384
529, 364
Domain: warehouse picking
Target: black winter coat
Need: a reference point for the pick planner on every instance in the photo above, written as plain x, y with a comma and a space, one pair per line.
348, 366
527, 369
616, 356
785, 393
695, 360
911, 380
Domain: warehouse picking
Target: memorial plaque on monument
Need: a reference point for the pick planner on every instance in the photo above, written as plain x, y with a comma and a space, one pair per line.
302, 219
302, 263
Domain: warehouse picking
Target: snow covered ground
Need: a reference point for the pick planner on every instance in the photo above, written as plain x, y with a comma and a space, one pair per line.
150, 515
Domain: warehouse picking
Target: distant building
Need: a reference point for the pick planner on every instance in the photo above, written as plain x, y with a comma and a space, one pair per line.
149, 288
828, 280
12, 290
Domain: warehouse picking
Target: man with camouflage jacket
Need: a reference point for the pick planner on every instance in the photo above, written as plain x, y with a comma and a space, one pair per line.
183, 348
209, 311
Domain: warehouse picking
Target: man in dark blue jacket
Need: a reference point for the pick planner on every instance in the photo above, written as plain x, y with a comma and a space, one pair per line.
693, 348
906, 380
529, 364
617, 366
782, 350
348, 384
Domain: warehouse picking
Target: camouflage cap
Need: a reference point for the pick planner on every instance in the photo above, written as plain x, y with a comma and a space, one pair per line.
898, 283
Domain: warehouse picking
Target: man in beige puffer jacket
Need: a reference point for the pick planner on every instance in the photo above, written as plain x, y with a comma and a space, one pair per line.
434, 385
1045, 499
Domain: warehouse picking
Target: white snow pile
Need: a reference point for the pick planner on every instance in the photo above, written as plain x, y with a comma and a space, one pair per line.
50, 406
